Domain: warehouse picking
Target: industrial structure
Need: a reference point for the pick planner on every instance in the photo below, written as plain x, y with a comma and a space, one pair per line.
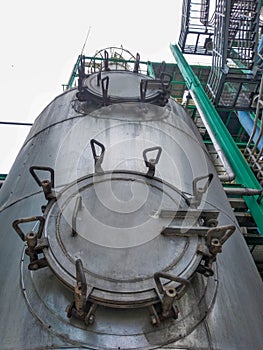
132, 217
231, 32
224, 99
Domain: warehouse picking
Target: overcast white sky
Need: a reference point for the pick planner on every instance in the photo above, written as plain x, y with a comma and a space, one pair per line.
41, 40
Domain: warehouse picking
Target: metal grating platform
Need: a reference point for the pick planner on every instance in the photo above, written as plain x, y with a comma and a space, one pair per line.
197, 27
233, 81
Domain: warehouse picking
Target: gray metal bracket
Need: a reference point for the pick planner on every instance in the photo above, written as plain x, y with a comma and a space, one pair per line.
204, 218
35, 244
214, 240
81, 308
167, 295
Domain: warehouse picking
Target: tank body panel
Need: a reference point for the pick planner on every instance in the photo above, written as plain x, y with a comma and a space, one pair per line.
223, 311
125, 137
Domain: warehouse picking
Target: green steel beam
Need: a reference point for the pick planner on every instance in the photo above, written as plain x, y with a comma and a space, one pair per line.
228, 118
74, 73
244, 174
239, 144
150, 70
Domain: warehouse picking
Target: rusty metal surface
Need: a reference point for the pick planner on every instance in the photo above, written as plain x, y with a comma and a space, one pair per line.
223, 311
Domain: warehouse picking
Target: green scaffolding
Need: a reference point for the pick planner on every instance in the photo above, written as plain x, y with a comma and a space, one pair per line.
244, 175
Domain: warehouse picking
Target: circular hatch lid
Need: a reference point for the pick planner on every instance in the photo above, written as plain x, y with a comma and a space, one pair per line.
112, 222
120, 86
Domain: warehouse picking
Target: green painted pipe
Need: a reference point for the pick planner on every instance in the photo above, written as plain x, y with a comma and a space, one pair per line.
244, 174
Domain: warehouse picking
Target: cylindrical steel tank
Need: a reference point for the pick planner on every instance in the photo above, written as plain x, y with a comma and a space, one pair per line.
122, 235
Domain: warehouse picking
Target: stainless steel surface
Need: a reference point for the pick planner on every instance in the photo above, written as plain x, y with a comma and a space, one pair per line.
116, 231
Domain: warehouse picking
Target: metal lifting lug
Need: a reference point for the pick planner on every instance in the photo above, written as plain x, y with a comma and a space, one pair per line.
161, 85
47, 185
167, 295
198, 191
105, 89
150, 163
81, 308
215, 238
35, 243
98, 158
99, 78
162, 68
137, 63
166, 80
106, 60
